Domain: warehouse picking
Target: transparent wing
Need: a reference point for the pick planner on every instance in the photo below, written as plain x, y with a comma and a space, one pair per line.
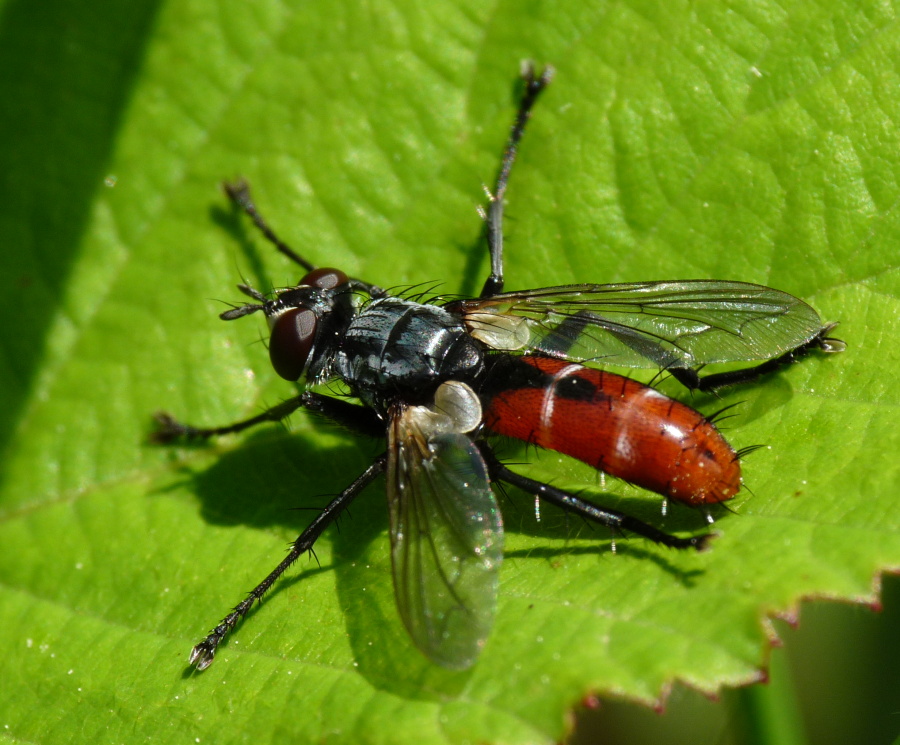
645, 324
447, 540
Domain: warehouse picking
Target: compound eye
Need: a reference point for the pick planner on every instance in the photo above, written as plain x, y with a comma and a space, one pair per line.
292, 340
324, 278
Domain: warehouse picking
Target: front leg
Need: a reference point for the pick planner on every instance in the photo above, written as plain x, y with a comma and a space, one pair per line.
359, 419
239, 193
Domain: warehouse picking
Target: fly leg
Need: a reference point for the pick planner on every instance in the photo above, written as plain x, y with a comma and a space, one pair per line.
239, 193
355, 418
559, 342
588, 510
692, 380
202, 654
493, 216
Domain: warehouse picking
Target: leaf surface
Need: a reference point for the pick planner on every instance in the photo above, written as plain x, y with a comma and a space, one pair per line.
752, 141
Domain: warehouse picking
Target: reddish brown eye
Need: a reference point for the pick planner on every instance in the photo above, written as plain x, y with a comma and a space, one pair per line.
324, 278
292, 339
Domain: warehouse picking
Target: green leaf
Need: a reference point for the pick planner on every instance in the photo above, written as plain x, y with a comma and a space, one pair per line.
753, 141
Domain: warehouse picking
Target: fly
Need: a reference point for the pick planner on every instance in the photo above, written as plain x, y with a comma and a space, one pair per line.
439, 380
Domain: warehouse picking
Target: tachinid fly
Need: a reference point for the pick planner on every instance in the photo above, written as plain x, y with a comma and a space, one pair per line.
439, 380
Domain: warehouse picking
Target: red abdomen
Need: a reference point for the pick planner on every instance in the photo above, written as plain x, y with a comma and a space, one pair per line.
619, 426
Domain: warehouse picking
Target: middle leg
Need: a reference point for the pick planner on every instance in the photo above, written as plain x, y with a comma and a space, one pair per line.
534, 84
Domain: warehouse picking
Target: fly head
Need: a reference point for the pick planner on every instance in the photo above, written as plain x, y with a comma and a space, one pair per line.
305, 322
